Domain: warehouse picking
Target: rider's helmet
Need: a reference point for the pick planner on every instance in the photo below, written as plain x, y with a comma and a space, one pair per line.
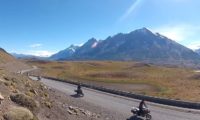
143, 101
79, 86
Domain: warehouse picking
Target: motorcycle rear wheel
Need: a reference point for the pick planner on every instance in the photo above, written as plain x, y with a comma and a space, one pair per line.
148, 117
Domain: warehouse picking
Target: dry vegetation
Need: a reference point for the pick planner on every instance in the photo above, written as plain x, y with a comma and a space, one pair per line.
169, 82
14, 88
18, 113
5, 57
8, 62
25, 99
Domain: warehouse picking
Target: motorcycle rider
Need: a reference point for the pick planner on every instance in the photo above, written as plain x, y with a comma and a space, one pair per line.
142, 106
39, 77
79, 90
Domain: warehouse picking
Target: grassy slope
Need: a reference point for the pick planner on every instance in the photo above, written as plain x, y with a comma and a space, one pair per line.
176, 83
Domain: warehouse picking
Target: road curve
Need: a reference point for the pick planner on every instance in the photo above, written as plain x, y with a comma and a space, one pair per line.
122, 105
28, 70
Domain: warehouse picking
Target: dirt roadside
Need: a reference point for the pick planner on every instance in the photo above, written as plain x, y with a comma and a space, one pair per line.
53, 104
81, 110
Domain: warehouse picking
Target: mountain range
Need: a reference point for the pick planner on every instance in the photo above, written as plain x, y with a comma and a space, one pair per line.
63, 54
197, 51
24, 56
138, 45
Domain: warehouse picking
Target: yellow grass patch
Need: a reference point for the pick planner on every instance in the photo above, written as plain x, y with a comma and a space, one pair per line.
176, 83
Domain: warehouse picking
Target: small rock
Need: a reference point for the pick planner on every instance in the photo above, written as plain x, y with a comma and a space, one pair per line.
64, 105
70, 112
1, 98
2, 80
43, 87
82, 110
75, 110
33, 91
15, 91
88, 113
48, 116
98, 116
70, 107
6, 78
48, 104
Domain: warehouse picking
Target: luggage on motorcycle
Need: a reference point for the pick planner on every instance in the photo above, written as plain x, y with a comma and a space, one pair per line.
145, 113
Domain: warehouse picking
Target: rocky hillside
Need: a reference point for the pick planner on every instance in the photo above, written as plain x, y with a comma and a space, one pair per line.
9, 63
20, 97
24, 99
5, 57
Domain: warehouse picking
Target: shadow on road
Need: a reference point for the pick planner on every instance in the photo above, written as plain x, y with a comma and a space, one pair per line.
76, 96
134, 118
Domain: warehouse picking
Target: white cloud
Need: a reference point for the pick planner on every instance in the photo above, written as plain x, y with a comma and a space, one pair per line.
35, 45
185, 34
130, 10
194, 45
41, 53
178, 32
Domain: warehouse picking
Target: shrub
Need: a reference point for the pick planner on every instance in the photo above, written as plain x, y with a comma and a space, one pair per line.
18, 113
25, 101
7, 83
48, 104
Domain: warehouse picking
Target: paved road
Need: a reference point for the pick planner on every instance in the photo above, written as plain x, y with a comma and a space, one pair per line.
28, 70
123, 105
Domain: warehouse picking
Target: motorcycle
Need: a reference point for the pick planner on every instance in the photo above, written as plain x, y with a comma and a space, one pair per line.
145, 113
39, 78
79, 93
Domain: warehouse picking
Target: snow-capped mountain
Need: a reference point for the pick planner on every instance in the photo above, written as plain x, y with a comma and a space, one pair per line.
67, 53
141, 45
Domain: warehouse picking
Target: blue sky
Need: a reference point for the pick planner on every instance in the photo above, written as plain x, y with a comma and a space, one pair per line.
43, 27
